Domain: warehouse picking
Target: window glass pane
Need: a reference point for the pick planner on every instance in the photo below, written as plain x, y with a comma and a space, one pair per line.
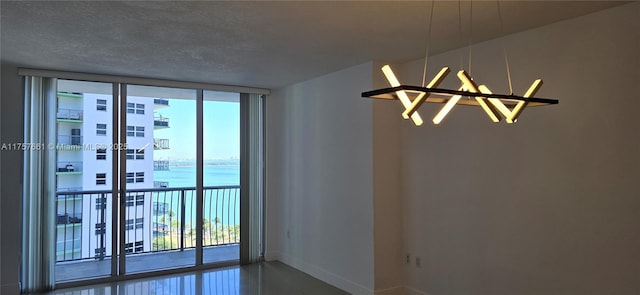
158, 229
221, 168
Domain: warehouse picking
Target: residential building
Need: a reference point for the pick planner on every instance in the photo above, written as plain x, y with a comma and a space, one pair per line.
84, 163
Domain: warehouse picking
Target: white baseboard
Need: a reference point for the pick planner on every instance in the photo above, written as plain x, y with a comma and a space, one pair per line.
397, 290
413, 291
271, 256
336, 280
324, 275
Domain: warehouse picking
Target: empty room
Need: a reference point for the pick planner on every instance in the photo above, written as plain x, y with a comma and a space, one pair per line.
319, 147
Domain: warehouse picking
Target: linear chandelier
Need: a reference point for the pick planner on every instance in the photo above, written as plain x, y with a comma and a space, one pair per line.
496, 106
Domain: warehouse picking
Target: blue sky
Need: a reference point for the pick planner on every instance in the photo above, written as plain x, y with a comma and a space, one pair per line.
221, 130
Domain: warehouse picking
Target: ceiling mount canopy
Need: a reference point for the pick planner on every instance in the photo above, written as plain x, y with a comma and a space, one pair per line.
496, 106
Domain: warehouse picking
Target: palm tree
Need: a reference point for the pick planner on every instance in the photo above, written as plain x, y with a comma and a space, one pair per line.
216, 220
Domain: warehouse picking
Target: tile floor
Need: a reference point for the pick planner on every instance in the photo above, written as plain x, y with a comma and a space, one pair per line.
263, 278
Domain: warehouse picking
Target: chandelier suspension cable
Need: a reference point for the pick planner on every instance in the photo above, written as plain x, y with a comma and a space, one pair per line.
504, 49
426, 54
470, 31
496, 106
460, 30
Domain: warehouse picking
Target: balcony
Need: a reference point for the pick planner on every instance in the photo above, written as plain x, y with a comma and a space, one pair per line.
160, 122
69, 115
160, 184
168, 233
69, 167
66, 219
69, 189
160, 144
160, 103
70, 141
160, 165
70, 94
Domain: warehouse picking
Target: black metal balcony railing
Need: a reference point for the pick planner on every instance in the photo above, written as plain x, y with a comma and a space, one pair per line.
69, 166
160, 101
160, 184
70, 140
161, 122
69, 189
161, 144
162, 219
69, 114
68, 219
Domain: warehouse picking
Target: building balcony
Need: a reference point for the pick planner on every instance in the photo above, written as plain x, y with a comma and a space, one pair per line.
64, 219
160, 144
70, 94
160, 122
70, 140
69, 115
160, 184
69, 189
169, 219
69, 167
160, 165
160, 103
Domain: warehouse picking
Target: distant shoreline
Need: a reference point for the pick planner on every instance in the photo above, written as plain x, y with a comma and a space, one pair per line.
215, 163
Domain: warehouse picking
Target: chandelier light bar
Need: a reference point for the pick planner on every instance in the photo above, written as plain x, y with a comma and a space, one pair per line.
401, 95
444, 111
522, 104
469, 84
434, 83
496, 106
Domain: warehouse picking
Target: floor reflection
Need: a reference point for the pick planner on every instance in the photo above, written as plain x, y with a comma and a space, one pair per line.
263, 278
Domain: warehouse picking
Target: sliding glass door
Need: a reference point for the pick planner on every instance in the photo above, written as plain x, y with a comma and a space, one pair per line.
135, 178
221, 204
83, 180
160, 178
155, 164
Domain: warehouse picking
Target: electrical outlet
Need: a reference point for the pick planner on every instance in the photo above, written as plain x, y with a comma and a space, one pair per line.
418, 261
408, 258
288, 234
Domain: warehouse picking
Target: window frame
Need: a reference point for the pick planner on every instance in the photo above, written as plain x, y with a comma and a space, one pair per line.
135, 108
101, 178
100, 106
101, 129
101, 154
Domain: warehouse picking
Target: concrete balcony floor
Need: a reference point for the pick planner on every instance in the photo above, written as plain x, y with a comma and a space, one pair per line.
136, 263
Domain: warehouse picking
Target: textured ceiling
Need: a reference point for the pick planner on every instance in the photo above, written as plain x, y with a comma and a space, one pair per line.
259, 44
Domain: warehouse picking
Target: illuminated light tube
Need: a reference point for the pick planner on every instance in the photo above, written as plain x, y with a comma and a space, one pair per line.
404, 98
444, 111
468, 83
434, 83
517, 110
506, 113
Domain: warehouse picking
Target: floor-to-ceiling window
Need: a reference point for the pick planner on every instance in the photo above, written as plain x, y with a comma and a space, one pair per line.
147, 178
221, 175
84, 134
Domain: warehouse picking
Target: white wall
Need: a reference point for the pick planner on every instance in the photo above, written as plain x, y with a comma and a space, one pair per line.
320, 189
387, 201
551, 204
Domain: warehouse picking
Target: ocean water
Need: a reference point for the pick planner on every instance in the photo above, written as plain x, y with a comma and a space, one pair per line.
223, 204
216, 173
